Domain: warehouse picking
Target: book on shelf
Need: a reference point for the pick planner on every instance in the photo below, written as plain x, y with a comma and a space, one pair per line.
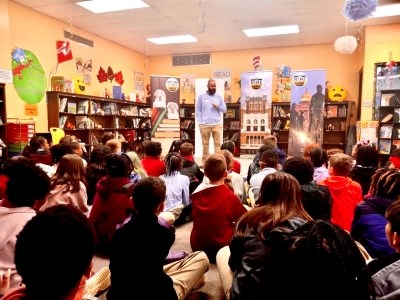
235, 137
386, 131
144, 112
384, 146
395, 144
385, 99
63, 104
182, 112
109, 108
387, 118
82, 122
61, 121
234, 125
71, 107
278, 124
342, 111
332, 111
83, 107
279, 111
230, 113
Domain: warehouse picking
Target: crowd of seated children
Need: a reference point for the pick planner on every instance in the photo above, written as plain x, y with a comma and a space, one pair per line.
215, 209
27, 187
369, 221
141, 245
53, 255
177, 195
152, 161
96, 169
346, 193
279, 211
366, 164
268, 164
316, 198
115, 145
57, 152
385, 270
111, 201
68, 184
38, 150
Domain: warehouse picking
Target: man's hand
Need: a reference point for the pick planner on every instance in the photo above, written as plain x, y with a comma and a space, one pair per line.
215, 105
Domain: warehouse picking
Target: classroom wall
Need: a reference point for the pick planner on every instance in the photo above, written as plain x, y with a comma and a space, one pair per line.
38, 33
379, 42
341, 69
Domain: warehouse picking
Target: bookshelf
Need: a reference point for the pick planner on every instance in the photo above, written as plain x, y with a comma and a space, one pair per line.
187, 123
336, 124
389, 126
232, 126
280, 123
88, 117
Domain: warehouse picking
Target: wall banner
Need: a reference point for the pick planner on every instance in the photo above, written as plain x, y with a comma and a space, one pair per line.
256, 91
165, 99
307, 110
225, 75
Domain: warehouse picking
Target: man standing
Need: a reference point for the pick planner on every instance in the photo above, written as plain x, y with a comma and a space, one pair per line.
208, 113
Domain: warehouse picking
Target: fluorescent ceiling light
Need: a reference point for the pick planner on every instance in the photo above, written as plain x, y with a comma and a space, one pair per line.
271, 30
386, 11
102, 6
177, 39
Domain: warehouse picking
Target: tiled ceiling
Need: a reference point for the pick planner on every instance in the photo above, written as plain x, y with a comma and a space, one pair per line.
217, 24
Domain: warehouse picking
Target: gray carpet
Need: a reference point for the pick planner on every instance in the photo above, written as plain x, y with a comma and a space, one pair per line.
211, 290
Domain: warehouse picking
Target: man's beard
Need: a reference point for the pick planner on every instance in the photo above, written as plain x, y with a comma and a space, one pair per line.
212, 91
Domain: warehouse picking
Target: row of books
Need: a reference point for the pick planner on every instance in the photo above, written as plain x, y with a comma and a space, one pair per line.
99, 108
281, 125
336, 111
234, 125
185, 135
188, 124
278, 111
388, 146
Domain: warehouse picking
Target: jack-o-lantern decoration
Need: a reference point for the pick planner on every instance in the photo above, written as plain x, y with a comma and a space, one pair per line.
337, 93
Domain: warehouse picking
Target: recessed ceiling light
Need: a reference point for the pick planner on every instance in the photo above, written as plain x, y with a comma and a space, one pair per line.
102, 6
271, 30
386, 11
176, 39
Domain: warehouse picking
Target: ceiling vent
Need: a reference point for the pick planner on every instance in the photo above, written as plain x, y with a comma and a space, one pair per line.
191, 60
78, 39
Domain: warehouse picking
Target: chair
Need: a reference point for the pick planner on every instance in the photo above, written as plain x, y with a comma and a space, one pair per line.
56, 134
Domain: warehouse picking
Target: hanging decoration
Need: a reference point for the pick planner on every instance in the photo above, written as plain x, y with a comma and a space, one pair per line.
29, 78
256, 63
345, 44
202, 14
119, 78
390, 64
356, 10
104, 76
64, 52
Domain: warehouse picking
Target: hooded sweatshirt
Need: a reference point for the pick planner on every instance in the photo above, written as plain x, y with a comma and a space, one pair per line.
215, 212
110, 207
12, 220
346, 194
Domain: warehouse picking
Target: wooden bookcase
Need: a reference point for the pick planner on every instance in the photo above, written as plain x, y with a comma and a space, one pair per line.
88, 117
336, 124
3, 121
231, 130
187, 123
389, 126
280, 123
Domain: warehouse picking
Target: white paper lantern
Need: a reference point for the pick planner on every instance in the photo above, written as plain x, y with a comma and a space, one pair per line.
346, 44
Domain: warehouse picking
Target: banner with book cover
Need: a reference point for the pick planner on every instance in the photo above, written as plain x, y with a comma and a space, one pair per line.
225, 75
187, 94
306, 109
165, 102
138, 95
255, 103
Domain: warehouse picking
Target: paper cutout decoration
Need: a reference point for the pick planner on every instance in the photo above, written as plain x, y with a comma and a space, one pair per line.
29, 78
102, 75
64, 52
119, 78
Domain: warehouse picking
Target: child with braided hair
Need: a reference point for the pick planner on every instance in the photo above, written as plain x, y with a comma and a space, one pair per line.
177, 195
369, 221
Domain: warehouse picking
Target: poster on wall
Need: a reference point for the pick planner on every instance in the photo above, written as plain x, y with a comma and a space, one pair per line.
306, 110
138, 95
225, 75
255, 103
281, 85
200, 88
165, 102
187, 93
